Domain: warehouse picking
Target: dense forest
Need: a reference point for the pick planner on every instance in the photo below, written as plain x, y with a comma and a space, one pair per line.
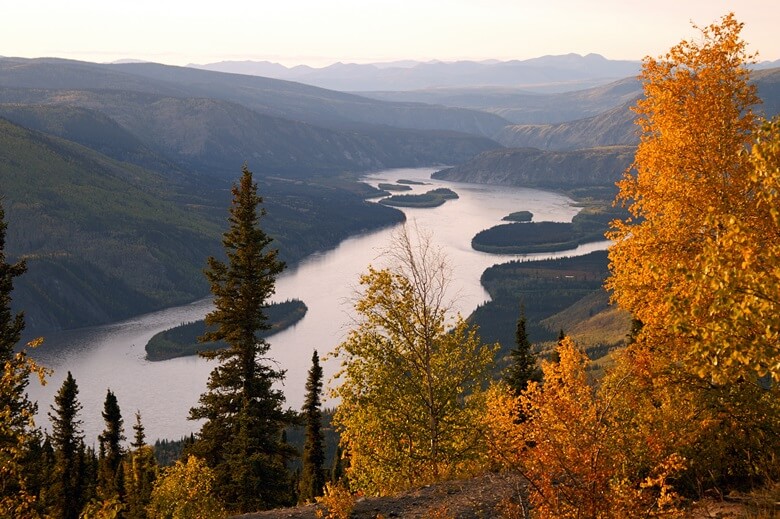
686, 407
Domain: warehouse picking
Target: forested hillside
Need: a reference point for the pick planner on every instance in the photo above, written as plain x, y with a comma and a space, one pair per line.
533, 167
106, 240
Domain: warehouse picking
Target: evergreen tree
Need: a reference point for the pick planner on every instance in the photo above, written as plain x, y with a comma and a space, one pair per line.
139, 434
140, 474
522, 369
67, 440
241, 436
313, 473
110, 480
11, 325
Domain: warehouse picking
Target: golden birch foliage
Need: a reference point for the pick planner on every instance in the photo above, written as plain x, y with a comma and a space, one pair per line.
691, 178
575, 448
735, 296
184, 491
410, 378
15, 433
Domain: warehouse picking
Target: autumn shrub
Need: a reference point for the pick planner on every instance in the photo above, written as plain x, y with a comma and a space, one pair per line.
336, 502
185, 491
575, 450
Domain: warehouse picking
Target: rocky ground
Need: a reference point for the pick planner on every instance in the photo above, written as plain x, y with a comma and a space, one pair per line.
493, 495
485, 496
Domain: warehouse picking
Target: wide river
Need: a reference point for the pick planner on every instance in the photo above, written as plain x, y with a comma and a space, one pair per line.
112, 356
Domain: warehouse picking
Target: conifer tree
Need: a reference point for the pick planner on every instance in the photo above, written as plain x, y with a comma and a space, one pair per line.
67, 440
110, 480
241, 436
313, 474
139, 434
11, 325
522, 369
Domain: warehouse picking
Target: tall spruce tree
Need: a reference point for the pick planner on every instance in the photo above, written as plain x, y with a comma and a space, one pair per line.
241, 438
67, 440
313, 473
522, 369
111, 476
11, 325
139, 433
13, 397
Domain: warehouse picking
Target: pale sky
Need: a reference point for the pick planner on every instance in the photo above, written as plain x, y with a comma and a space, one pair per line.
321, 32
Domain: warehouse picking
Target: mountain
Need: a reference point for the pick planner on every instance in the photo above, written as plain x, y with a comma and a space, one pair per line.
285, 99
105, 239
522, 106
101, 239
532, 167
616, 125
568, 71
613, 127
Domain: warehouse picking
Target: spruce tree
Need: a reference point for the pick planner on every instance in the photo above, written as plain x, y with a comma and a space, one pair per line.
313, 474
111, 477
241, 436
139, 434
522, 369
67, 440
17, 431
11, 325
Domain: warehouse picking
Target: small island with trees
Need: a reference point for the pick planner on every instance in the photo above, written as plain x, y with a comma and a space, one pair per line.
519, 216
588, 225
432, 198
182, 340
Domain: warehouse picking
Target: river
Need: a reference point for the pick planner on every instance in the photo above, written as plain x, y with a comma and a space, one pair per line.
112, 356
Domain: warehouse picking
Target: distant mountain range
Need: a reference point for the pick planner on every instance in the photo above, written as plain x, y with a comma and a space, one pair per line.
546, 73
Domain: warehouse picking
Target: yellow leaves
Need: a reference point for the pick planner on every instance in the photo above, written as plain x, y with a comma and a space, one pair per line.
184, 491
410, 378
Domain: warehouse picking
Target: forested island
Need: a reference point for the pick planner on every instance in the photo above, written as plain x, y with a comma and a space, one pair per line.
182, 340
519, 216
588, 225
433, 198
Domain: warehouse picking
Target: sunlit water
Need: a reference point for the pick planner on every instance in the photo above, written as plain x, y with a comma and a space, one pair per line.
112, 356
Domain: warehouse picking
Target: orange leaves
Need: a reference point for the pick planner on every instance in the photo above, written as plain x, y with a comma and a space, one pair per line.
693, 264
580, 449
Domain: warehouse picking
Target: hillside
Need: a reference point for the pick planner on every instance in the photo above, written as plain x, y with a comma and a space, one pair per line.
616, 125
273, 97
545, 288
537, 168
101, 239
610, 128
209, 135
105, 240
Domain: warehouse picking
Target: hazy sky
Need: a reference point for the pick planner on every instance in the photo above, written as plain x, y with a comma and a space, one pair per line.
320, 32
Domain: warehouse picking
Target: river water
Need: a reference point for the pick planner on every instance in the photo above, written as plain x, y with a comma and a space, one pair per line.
112, 356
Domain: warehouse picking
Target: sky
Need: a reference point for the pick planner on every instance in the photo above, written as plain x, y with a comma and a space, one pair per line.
321, 32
